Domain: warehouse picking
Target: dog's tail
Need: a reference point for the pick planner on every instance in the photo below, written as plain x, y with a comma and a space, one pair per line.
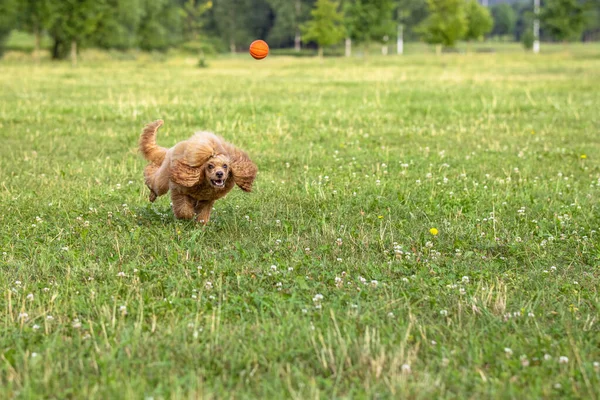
148, 147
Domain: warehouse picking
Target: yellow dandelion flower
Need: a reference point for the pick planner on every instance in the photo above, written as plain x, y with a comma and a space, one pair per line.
433, 231
583, 156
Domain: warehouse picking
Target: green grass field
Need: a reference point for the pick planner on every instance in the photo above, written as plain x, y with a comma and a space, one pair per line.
326, 282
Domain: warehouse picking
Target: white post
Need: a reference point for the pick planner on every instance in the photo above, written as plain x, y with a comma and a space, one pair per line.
384, 48
536, 26
348, 47
400, 40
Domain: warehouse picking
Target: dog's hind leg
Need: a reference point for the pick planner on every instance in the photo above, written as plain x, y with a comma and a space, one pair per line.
156, 180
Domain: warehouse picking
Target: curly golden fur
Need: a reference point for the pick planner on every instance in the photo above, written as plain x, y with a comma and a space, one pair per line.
197, 171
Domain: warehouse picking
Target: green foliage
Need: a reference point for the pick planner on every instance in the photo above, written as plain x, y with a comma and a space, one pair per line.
161, 26
446, 23
505, 19
527, 39
563, 19
289, 16
410, 13
239, 22
326, 26
194, 11
479, 21
369, 20
36, 16
118, 29
75, 21
8, 13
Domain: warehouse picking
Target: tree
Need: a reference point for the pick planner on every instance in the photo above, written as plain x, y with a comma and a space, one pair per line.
120, 23
479, 21
240, 22
369, 20
289, 17
505, 19
35, 17
408, 14
8, 13
446, 23
75, 21
326, 27
563, 19
161, 26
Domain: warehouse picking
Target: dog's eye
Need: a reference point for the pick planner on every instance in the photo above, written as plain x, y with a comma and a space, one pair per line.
224, 166
211, 166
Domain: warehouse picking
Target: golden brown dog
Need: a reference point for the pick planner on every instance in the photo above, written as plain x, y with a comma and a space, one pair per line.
198, 171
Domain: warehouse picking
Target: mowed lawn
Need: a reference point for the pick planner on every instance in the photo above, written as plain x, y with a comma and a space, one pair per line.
329, 280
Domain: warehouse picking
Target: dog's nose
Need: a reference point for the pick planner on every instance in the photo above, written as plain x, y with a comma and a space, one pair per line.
219, 174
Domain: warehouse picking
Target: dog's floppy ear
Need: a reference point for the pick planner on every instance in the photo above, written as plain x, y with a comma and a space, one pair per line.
242, 168
187, 165
185, 175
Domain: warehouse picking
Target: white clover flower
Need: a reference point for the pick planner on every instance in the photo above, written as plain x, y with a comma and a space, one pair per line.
30, 297
374, 283
123, 310
547, 357
443, 313
273, 267
208, 285
563, 360
390, 315
76, 324
318, 297
465, 279
121, 274
406, 368
24, 316
508, 351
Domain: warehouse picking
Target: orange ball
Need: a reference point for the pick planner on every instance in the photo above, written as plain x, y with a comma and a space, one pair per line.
259, 49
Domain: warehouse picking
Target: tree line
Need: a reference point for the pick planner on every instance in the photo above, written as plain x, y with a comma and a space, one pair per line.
221, 25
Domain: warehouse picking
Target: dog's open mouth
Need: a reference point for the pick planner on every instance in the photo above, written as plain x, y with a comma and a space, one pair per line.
218, 182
